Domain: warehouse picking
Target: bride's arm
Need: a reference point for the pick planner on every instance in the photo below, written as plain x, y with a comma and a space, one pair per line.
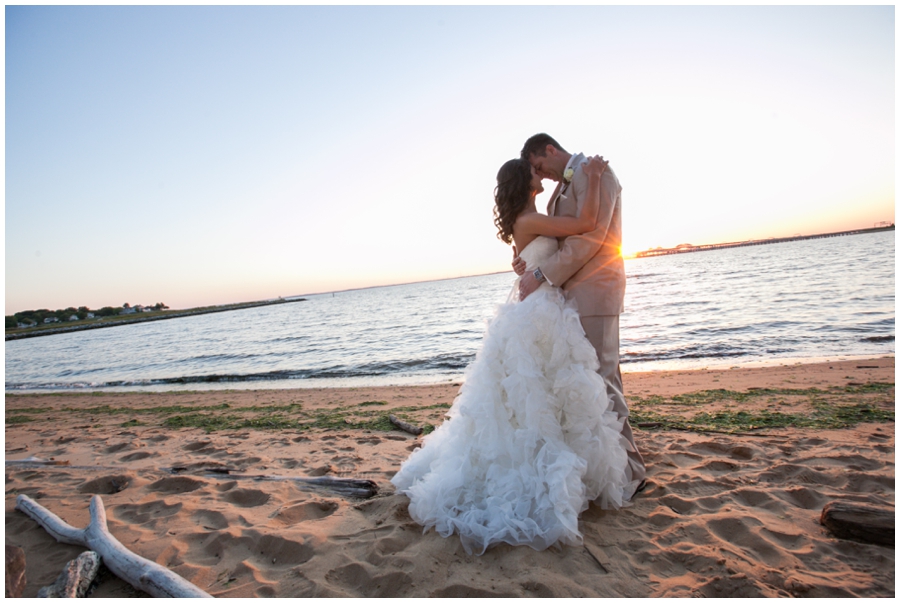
563, 226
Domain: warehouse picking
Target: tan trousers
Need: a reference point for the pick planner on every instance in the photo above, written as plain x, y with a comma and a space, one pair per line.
603, 333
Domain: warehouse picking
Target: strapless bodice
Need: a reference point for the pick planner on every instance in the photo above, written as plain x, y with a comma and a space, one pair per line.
538, 250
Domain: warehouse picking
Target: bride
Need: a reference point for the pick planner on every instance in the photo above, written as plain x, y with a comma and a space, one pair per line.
531, 438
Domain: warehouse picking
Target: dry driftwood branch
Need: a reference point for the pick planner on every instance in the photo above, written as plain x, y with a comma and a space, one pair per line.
405, 426
358, 488
35, 461
143, 574
859, 522
596, 555
75, 579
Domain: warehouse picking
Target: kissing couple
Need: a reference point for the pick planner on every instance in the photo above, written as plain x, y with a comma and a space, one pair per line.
539, 428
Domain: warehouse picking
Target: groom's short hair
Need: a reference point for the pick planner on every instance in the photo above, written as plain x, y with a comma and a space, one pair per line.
537, 145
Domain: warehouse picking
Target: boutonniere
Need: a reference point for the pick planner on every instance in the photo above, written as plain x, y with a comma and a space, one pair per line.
567, 180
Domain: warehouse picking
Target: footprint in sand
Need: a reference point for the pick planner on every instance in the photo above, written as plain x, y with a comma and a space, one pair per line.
744, 532
210, 520
370, 440
867, 482
718, 466
663, 517
752, 497
804, 498
195, 446
119, 447
307, 511
251, 550
793, 474
538, 589
109, 484
146, 512
175, 485
464, 590
678, 504
355, 577
137, 456
742, 452
245, 497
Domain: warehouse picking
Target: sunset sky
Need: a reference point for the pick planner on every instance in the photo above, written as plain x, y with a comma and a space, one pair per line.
208, 155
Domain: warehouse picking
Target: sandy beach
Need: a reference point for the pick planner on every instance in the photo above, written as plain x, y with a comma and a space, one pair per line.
740, 462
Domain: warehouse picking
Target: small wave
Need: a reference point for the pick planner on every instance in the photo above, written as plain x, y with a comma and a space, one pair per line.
441, 363
690, 353
878, 338
290, 339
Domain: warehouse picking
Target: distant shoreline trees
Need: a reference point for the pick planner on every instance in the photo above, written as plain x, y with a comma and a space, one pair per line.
31, 318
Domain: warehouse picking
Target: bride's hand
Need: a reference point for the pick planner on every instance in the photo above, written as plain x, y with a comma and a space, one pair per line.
595, 166
518, 264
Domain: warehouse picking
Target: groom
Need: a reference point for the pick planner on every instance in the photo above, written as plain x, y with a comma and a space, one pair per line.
588, 267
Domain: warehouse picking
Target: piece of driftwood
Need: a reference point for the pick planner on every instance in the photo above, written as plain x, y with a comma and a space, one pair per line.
357, 488
405, 426
15, 571
35, 461
142, 574
75, 579
596, 555
855, 521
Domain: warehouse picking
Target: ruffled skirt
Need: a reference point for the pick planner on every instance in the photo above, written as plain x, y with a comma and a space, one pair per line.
531, 438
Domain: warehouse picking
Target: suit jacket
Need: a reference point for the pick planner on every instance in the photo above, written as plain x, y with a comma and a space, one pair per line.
589, 267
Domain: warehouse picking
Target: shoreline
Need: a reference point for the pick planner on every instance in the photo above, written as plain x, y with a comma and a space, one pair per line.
724, 514
413, 380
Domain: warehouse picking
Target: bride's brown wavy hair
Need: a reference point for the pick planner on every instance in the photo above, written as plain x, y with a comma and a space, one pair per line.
511, 195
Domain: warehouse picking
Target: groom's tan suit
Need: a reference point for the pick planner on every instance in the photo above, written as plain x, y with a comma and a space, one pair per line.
590, 270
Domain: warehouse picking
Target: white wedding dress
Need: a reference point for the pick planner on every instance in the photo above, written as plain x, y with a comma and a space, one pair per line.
531, 438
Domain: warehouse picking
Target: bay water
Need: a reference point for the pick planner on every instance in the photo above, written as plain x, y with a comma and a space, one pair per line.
777, 303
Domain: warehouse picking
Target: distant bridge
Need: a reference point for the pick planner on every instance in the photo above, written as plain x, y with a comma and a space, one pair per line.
691, 248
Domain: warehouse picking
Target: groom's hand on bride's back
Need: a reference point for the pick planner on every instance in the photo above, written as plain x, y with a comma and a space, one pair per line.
518, 264
527, 285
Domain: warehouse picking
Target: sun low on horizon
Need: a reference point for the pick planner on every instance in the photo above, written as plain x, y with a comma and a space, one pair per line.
202, 155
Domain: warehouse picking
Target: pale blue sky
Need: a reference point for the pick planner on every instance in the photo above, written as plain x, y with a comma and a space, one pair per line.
204, 155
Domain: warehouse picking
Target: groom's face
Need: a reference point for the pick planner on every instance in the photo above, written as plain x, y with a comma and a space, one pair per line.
551, 165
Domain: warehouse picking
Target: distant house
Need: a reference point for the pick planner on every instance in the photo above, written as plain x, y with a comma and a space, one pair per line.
128, 311
146, 309
50, 319
73, 317
90, 314
25, 325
